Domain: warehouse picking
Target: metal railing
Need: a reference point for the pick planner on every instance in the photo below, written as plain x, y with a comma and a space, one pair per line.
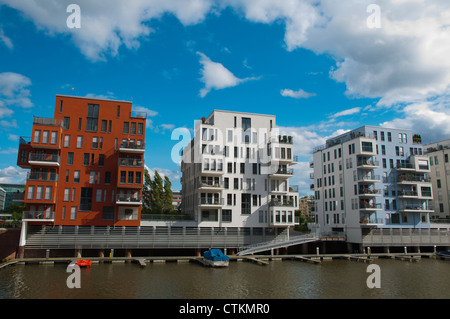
128, 198
211, 201
131, 145
39, 176
38, 215
47, 121
43, 157
130, 162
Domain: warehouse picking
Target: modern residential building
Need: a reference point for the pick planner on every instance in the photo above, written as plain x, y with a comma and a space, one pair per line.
439, 153
10, 194
235, 173
176, 200
86, 164
371, 177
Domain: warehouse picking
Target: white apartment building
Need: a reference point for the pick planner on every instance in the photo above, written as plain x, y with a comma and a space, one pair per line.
371, 177
235, 173
438, 154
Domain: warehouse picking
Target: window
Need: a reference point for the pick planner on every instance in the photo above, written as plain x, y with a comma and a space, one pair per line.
66, 124
101, 159
30, 194
48, 193
140, 130
133, 128
73, 213
226, 215
39, 191
95, 142
80, 121
389, 137
123, 177
60, 106
138, 179
107, 177
79, 141
367, 147
69, 158
53, 137
98, 195
86, 199
66, 140
108, 213
130, 177
104, 126
92, 118
91, 177
118, 110
66, 194
126, 127
86, 159
37, 136
76, 176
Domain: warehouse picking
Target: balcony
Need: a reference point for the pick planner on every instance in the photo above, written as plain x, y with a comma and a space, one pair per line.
130, 147
128, 199
369, 206
281, 203
411, 178
211, 202
43, 159
138, 115
415, 208
41, 216
40, 176
404, 167
369, 192
18, 197
282, 173
282, 218
128, 162
47, 121
368, 178
367, 163
407, 193
370, 220
210, 185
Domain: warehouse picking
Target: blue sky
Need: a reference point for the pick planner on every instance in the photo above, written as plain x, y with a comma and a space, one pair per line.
316, 65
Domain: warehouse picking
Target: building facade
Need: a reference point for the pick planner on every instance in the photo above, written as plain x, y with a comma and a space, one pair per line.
235, 173
86, 164
438, 154
371, 177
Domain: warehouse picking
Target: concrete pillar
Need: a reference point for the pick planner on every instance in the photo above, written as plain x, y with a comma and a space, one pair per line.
78, 253
23, 239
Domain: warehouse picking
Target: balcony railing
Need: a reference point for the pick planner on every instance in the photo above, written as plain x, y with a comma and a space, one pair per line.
131, 145
368, 162
39, 176
369, 205
129, 198
211, 201
43, 157
275, 202
413, 178
369, 192
405, 166
407, 193
211, 184
364, 178
18, 197
38, 215
138, 115
284, 171
130, 162
47, 121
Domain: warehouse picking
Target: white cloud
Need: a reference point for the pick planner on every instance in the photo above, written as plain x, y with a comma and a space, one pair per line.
429, 119
13, 90
216, 77
300, 94
6, 41
108, 25
12, 175
346, 112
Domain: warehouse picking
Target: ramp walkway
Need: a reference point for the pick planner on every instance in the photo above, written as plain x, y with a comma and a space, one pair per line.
285, 239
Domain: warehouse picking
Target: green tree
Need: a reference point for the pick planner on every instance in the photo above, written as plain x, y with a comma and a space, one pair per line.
167, 196
157, 190
147, 193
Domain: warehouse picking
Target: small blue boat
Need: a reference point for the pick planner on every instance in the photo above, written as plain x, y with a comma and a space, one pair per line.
215, 258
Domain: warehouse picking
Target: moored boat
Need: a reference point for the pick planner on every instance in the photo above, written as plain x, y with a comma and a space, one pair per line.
84, 263
444, 253
216, 258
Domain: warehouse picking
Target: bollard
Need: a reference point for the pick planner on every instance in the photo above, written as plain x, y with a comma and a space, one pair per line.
317, 251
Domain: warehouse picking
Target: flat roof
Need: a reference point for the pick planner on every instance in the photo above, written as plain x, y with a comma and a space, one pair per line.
92, 98
237, 112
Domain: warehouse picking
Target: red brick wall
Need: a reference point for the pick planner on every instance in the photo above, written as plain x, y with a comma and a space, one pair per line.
9, 243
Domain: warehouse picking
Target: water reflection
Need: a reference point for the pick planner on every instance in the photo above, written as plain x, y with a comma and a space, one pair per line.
427, 278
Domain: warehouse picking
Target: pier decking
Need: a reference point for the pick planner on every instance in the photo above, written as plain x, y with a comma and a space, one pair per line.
262, 260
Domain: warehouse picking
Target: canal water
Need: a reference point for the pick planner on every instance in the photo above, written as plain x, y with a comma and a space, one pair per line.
341, 279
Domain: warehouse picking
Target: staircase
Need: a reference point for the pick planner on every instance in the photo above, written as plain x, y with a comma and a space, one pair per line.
284, 239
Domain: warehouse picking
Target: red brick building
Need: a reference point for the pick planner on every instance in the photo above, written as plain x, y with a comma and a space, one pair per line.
86, 164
